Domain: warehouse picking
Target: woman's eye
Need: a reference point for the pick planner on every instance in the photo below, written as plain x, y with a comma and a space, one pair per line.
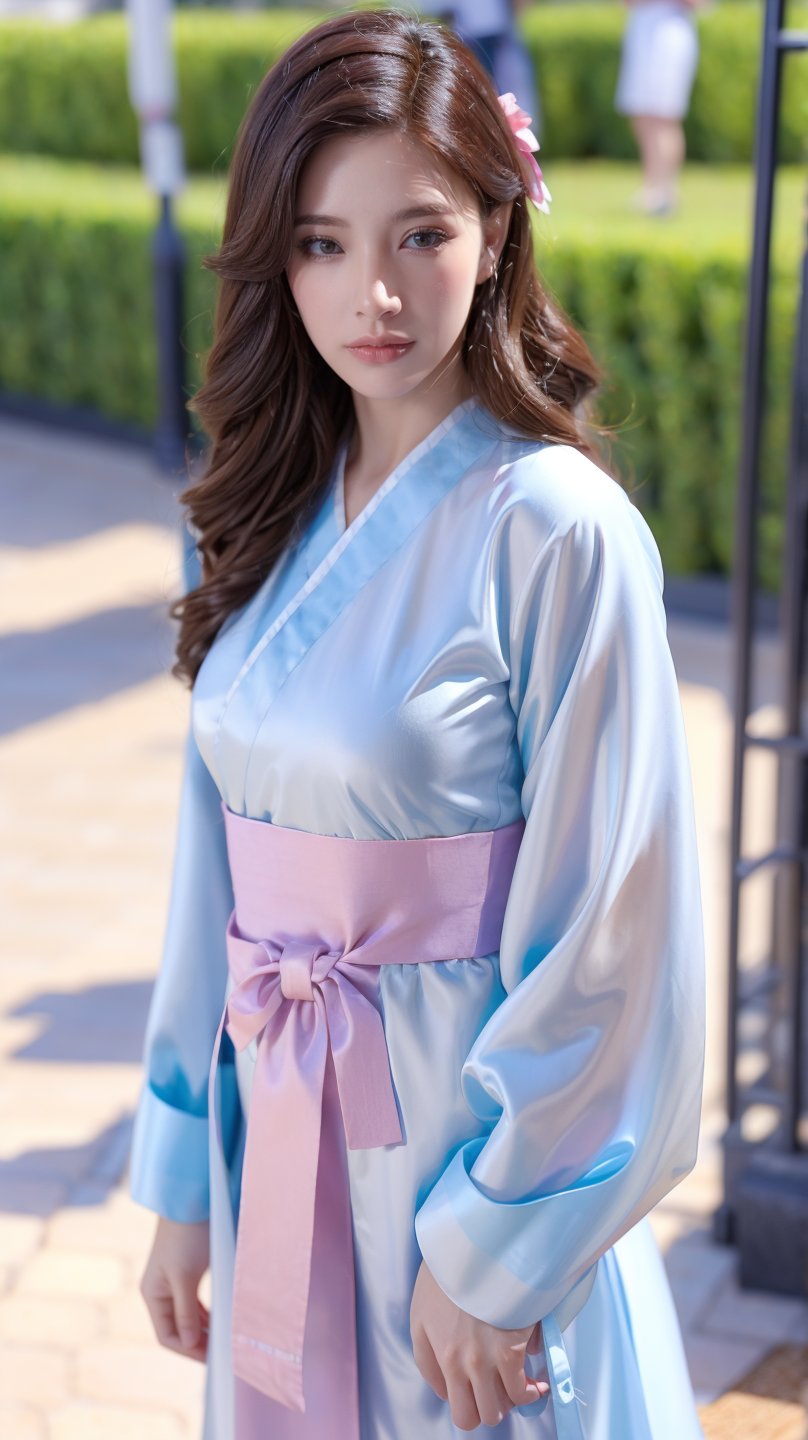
435, 238
305, 245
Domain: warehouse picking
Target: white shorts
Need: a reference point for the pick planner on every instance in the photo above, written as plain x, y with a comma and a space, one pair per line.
658, 61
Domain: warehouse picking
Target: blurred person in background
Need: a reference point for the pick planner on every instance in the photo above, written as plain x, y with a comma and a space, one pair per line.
657, 68
491, 31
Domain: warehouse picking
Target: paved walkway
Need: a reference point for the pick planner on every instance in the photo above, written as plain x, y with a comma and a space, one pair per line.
91, 730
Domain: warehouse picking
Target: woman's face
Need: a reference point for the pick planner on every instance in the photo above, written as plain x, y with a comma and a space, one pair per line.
361, 269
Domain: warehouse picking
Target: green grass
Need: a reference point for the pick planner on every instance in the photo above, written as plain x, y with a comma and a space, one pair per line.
591, 204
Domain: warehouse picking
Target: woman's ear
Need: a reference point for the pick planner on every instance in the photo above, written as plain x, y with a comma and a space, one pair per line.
495, 230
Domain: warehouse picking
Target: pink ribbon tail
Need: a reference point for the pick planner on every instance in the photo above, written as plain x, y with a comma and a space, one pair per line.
322, 1077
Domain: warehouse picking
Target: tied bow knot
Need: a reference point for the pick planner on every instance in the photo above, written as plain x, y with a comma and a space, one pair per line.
332, 1045
292, 971
340, 1016
296, 970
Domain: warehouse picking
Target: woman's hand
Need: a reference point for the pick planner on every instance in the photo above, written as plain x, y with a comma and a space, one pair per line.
180, 1255
477, 1367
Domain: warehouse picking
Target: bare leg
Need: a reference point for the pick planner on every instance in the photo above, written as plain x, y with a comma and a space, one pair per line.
661, 144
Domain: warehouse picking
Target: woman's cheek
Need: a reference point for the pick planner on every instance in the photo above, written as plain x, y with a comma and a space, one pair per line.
456, 278
311, 297
307, 283
451, 299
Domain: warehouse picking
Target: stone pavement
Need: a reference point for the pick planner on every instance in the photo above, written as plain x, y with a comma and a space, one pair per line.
91, 732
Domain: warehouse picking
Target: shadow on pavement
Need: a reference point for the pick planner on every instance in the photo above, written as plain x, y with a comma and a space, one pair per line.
40, 1182
46, 672
99, 1025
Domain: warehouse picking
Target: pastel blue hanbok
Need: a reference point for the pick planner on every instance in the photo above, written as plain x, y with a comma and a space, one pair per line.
485, 641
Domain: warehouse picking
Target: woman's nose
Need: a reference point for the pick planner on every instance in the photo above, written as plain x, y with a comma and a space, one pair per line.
382, 297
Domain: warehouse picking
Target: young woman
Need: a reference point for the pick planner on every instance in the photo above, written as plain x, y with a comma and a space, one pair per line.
426, 1042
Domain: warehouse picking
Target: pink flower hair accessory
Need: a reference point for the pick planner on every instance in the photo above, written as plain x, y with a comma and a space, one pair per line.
526, 142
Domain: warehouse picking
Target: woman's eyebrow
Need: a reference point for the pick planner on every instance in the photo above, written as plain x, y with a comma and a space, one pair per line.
414, 213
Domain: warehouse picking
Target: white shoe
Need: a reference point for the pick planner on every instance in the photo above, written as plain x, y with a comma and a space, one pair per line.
654, 201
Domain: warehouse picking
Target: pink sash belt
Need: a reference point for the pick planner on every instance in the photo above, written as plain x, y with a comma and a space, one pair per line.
314, 918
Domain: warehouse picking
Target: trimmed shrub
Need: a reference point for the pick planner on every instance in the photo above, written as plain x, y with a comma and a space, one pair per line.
669, 333
666, 324
576, 55
63, 89
64, 92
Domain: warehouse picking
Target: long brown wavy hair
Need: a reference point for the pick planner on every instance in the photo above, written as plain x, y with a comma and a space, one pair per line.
272, 407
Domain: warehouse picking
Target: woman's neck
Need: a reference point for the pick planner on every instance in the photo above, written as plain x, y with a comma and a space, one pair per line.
385, 431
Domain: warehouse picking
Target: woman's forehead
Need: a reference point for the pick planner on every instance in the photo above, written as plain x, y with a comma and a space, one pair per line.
379, 171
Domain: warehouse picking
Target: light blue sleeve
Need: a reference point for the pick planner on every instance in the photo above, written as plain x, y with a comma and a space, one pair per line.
168, 1169
589, 1073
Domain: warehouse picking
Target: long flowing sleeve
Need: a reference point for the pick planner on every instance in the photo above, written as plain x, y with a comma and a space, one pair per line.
588, 1075
169, 1169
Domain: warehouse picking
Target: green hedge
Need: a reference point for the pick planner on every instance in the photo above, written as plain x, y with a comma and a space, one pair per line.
76, 285
576, 52
63, 89
667, 325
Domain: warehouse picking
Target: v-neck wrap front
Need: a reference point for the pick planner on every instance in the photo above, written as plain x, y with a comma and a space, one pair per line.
482, 648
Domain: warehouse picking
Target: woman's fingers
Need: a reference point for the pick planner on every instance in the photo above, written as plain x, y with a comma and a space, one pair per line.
462, 1403
191, 1318
186, 1311
179, 1318
427, 1364
179, 1257
477, 1367
454, 1385
479, 1393
161, 1310
521, 1390
491, 1398
199, 1350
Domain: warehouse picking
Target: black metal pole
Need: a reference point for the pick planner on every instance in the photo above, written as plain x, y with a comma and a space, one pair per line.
744, 577
168, 253
795, 624
745, 557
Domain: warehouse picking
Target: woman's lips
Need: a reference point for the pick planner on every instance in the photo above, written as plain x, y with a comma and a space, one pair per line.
380, 354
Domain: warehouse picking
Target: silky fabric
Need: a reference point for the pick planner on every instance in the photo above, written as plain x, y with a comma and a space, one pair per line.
486, 641
315, 918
